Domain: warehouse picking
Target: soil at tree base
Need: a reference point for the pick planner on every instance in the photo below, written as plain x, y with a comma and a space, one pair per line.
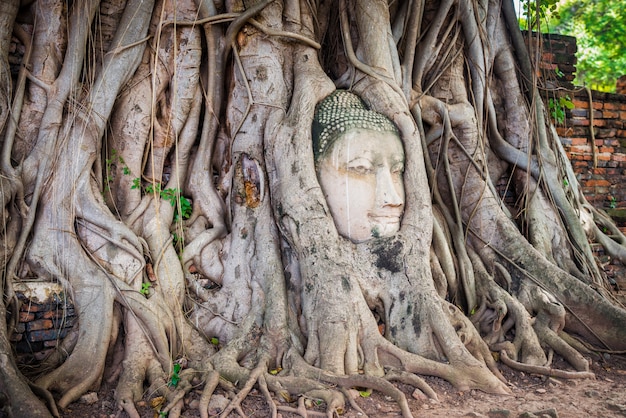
532, 396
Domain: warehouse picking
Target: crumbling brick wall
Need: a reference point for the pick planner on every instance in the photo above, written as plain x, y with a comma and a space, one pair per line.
45, 317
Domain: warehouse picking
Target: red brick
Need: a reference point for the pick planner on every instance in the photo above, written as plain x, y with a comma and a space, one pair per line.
26, 316
579, 141
580, 104
564, 131
618, 156
610, 114
606, 133
34, 307
604, 156
579, 122
580, 149
39, 324
597, 183
599, 122
57, 313
607, 149
611, 106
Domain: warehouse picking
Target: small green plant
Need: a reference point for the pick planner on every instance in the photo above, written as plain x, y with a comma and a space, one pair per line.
109, 166
565, 182
145, 288
557, 108
558, 72
175, 377
612, 201
181, 204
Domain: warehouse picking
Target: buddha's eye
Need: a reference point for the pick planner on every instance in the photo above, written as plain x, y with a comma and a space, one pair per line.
361, 166
398, 168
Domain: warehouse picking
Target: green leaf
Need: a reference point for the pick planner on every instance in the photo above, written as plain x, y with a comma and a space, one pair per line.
145, 288
365, 393
214, 341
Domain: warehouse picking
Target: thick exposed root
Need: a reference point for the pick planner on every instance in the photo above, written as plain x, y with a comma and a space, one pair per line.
544, 370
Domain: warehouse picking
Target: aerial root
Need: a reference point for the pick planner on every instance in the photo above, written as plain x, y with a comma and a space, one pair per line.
302, 411
268, 396
47, 396
235, 403
544, 370
412, 380
211, 381
552, 339
353, 404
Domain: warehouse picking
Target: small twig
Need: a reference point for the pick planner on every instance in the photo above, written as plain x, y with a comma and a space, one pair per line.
273, 32
125, 47
221, 18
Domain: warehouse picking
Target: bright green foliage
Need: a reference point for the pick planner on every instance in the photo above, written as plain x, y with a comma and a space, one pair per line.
600, 30
145, 288
557, 108
536, 12
175, 378
174, 196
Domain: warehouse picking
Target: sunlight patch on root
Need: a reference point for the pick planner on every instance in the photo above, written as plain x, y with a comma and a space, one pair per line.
544, 370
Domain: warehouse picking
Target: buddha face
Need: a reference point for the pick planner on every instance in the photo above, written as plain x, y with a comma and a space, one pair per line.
361, 177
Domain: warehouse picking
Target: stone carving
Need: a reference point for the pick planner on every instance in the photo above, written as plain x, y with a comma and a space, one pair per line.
359, 160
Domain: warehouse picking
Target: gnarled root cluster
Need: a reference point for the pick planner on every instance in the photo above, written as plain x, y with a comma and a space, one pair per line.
169, 185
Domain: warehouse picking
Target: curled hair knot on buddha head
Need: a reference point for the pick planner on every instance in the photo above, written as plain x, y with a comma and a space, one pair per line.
340, 112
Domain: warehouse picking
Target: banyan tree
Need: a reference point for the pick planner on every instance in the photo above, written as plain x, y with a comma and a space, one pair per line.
301, 196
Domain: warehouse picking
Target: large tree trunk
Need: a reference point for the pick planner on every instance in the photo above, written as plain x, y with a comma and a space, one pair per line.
158, 162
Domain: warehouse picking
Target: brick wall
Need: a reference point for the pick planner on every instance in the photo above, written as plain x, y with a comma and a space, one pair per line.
556, 57
603, 181
598, 160
45, 318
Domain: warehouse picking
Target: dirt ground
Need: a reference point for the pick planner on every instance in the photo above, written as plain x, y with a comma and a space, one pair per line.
532, 396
